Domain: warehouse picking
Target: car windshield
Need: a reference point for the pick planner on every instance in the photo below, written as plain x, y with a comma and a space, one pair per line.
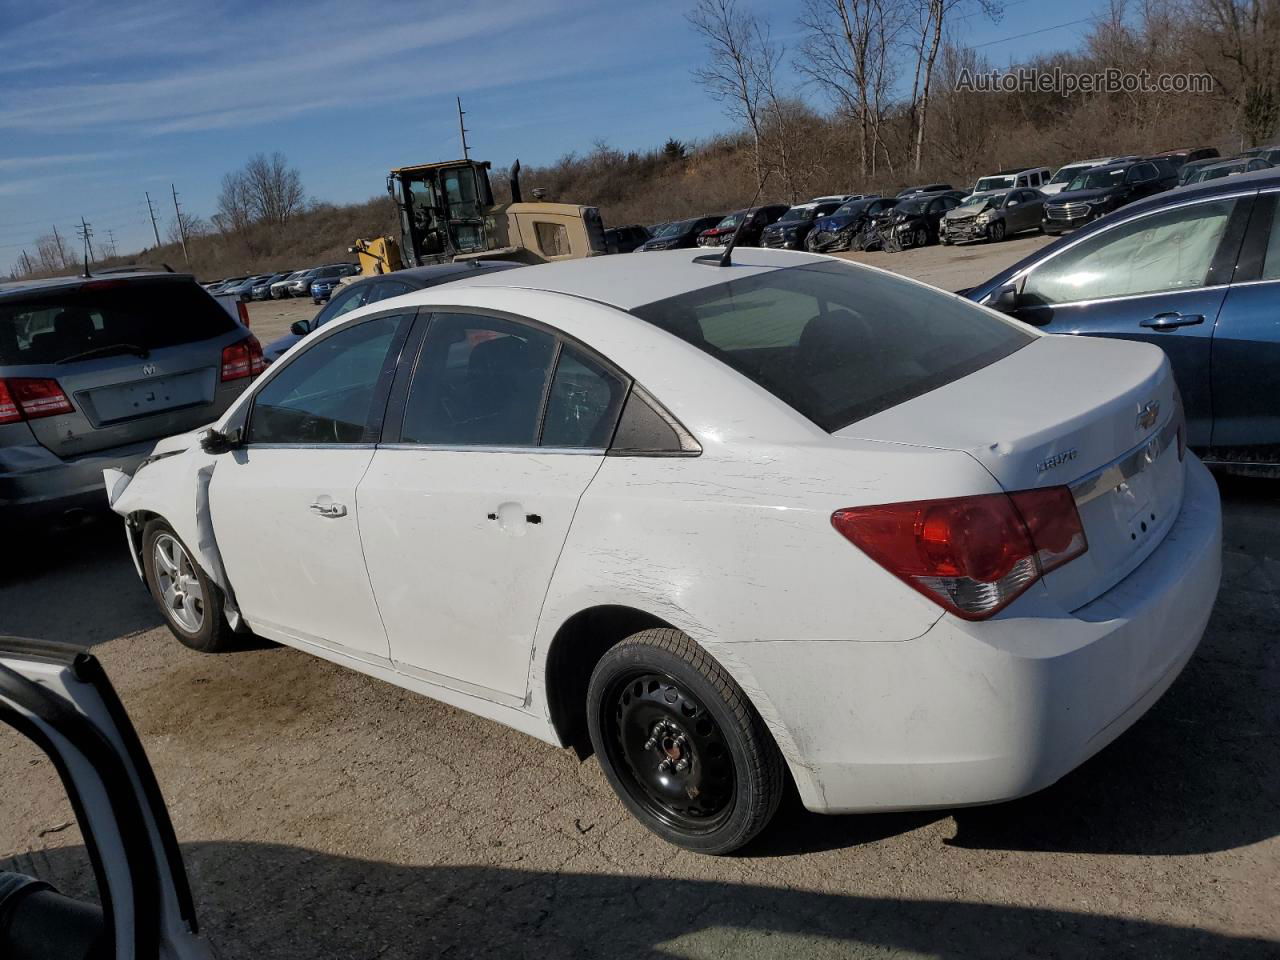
1066, 174
1100, 180
837, 342
1213, 173
980, 201
909, 208
993, 183
730, 221
796, 214
97, 317
851, 208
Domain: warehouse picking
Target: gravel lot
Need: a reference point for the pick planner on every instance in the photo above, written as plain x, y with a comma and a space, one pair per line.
326, 814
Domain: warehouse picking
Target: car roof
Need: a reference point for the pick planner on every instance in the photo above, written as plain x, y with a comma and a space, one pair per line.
17, 288
434, 273
616, 281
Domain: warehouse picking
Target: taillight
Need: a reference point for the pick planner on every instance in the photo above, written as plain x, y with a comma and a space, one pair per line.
243, 309
242, 359
25, 398
971, 555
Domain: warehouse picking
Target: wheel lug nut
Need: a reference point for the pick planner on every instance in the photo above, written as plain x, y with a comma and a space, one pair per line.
682, 766
651, 743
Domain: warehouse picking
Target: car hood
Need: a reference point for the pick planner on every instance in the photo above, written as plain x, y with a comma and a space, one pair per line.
1078, 196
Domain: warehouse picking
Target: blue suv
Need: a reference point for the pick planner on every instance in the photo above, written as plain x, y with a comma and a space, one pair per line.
1195, 271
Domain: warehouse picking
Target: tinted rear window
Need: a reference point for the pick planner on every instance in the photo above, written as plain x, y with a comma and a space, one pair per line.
61, 324
837, 343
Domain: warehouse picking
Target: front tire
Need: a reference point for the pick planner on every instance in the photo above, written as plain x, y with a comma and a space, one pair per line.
190, 602
997, 231
681, 744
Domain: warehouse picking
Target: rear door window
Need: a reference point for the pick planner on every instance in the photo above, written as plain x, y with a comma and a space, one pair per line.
834, 342
479, 381
105, 317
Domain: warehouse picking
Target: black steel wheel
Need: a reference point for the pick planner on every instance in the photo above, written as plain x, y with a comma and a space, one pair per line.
681, 745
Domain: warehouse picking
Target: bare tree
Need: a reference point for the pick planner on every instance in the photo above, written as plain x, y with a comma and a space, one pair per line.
190, 225
52, 253
1240, 49
847, 54
234, 213
273, 188
732, 72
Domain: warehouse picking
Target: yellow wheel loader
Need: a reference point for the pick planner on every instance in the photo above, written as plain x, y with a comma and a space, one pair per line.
446, 213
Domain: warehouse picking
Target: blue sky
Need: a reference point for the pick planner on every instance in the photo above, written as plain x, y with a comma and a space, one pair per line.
102, 101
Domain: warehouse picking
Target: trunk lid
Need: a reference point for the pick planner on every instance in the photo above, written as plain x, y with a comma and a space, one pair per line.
1099, 416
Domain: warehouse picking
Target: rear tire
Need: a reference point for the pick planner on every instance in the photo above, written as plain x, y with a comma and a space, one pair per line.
680, 743
190, 602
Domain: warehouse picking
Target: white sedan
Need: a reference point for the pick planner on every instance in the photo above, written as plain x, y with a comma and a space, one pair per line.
720, 524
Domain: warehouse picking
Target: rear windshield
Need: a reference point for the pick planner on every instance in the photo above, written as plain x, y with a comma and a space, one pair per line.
62, 324
835, 342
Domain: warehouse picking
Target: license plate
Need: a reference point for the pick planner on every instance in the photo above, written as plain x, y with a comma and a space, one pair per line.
140, 398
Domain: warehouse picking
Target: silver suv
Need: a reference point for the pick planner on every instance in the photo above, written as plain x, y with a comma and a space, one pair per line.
94, 370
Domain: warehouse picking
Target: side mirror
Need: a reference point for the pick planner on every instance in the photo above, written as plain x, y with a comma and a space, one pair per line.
1005, 300
215, 441
300, 328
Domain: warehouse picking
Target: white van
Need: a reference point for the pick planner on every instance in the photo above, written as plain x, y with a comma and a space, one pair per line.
1033, 177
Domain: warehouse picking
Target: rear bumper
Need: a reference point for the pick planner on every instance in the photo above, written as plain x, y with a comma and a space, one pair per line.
35, 484
974, 713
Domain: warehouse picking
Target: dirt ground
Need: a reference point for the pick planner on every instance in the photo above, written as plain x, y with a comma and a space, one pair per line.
325, 814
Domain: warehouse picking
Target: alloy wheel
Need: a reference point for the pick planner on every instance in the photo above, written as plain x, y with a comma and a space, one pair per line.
178, 584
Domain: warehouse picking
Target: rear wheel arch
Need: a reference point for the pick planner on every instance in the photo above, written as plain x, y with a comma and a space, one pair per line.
574, 651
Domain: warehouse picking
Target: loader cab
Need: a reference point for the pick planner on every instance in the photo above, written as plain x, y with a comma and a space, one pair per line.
442, 209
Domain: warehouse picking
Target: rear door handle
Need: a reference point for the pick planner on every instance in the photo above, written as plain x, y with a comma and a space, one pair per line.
329, 509
1167, 321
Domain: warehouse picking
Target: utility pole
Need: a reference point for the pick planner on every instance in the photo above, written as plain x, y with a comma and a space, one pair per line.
182, 228
154, 228
463, 130
62, 252
26, 262
86, 234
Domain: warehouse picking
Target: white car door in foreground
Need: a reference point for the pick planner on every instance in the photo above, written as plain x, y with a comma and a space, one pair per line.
713, 524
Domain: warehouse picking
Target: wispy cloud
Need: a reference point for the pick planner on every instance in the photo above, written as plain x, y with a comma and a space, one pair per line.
280, 64
54, 161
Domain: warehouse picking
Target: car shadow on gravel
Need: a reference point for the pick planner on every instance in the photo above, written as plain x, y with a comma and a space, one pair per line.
283, 902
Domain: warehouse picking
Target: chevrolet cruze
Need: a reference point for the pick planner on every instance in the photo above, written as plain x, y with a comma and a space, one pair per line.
724, 525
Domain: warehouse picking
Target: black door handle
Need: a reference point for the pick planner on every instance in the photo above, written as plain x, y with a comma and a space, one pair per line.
532, 518
1167, 321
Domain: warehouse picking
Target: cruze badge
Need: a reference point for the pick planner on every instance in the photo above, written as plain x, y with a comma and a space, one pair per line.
1148, 415
1057, 460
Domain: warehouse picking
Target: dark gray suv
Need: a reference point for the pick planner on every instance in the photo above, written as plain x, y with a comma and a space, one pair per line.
94, 370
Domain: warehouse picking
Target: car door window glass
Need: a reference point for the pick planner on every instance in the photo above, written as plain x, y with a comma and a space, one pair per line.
583, 405
479, 381
350, 299
1166, 251
324, 395
1271, 265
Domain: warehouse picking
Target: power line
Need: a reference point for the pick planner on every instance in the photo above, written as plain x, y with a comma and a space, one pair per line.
1032, 33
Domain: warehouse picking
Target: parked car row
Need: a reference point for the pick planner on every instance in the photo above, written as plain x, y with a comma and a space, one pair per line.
315, 282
